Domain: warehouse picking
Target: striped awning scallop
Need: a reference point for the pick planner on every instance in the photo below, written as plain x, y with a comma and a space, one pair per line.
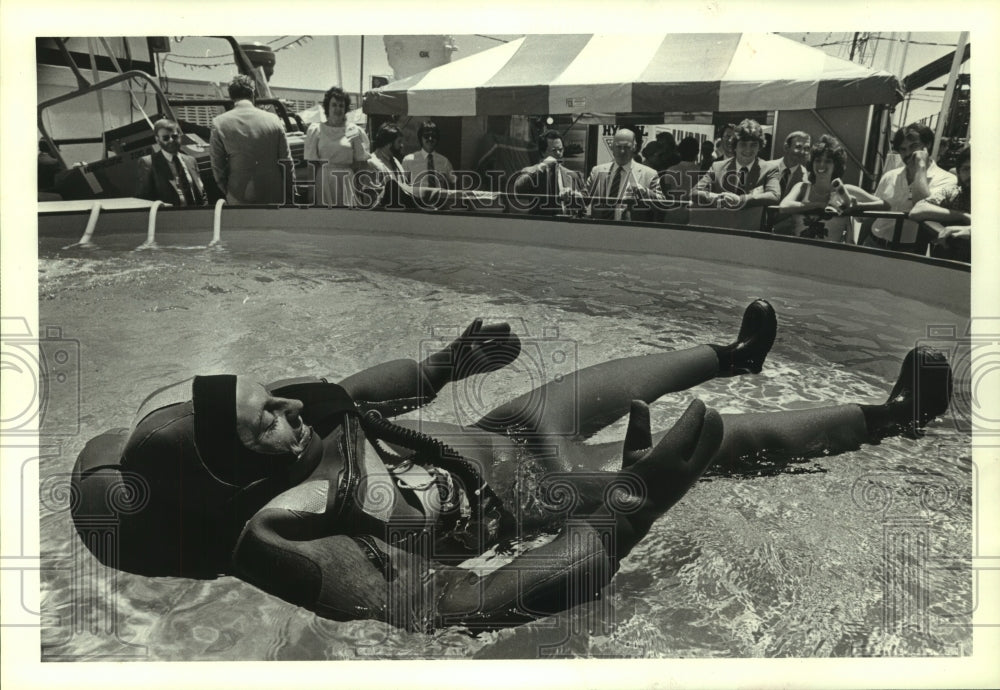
636, 73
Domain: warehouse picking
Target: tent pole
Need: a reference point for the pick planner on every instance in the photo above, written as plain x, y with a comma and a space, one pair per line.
956, 65
340, 62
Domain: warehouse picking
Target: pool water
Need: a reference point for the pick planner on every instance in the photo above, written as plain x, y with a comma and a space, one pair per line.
861, 554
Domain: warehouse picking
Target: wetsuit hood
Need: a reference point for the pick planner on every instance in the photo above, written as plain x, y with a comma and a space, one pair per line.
179, 486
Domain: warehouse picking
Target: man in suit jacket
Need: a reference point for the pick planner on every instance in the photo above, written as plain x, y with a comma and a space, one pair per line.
548, 188
169, 175
742, 181
621, 190
791, 169
246, 145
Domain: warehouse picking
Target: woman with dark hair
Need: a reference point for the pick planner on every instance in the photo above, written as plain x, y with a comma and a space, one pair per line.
342, 144
820, 206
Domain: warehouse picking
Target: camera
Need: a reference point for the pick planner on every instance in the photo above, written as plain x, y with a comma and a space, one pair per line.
41, 377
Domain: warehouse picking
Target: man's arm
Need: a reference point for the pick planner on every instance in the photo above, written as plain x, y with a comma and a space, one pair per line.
352, 578
220, 160
767, 193
404, 384
926, 209
702, 192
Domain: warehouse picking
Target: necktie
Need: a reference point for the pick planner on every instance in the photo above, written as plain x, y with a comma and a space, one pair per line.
188, 198
784, 180
431, 174
616, 183
742, 180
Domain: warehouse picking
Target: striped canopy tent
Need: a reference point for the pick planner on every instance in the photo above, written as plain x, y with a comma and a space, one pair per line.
636, 73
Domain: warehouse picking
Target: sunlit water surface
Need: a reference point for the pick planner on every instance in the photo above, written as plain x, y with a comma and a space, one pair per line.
865, 553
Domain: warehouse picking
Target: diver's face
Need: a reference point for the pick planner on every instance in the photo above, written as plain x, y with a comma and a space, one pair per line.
267, 424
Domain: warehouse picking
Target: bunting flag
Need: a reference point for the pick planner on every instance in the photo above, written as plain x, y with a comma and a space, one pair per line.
636, 73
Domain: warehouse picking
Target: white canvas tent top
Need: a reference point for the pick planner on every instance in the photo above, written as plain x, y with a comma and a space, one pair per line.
636, 73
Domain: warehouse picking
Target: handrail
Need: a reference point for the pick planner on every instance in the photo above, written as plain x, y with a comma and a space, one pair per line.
772, 212
124, 76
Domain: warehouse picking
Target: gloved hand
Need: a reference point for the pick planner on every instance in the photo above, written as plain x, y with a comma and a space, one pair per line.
479, 350
678, 460
652, 479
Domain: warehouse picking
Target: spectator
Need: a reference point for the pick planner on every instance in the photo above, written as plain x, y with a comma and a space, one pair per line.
613, 187
383, 182
661, 153
169, 175
427, 168
790, 170
548, 188
917, 179
681, 177
821, 203
246, 144
707, 155
947, 213
743, 180
342, 144
724, 144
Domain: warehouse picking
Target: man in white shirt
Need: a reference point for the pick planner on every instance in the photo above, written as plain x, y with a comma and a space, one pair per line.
903, 187
790, 166
620, 190
426, 167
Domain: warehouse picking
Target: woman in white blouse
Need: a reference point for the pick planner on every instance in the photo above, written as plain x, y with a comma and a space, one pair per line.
341, 144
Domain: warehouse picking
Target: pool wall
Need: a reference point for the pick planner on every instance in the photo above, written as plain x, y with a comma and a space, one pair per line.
932, 281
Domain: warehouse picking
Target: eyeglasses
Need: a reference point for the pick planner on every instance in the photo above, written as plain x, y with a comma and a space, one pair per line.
431, 137
168, 137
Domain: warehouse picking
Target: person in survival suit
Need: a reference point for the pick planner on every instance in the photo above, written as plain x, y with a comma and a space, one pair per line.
306, 490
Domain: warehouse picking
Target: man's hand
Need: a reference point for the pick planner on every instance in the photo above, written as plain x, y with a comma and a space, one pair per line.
571, 196
549, 162
728, 200
917, 160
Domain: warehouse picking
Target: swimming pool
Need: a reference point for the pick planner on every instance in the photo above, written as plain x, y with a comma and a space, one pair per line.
855, 555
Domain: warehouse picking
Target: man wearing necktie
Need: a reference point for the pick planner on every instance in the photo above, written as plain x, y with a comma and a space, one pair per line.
620, 190
790, 166
743, 181
427, 167
547, 188
169, 175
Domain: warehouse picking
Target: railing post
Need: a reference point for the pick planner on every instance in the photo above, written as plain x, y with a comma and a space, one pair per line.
150, 242
85, 242
217, 224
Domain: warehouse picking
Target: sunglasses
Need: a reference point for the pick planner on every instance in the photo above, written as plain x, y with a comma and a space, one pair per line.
168, 137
